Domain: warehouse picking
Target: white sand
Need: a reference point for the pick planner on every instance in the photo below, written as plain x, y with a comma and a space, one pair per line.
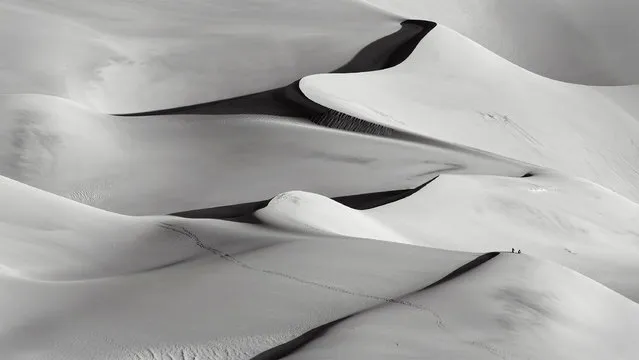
454, 90
513, 307
304, 212
579, 41
164, 164
570, 221
83, 284
131, 56
83, 277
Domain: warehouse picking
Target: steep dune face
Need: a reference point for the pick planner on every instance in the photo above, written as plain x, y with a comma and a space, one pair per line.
165, 164
512, 307
454, 90
305, 212
482, 152
125, 56
92, 284
49, 238
570, 221
579, 41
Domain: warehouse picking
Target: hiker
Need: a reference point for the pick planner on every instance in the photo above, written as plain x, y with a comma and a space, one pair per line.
519, 251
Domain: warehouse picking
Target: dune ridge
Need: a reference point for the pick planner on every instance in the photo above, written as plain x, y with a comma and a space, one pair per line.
343, 179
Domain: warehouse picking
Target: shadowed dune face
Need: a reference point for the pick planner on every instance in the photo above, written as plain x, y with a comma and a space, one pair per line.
362, 213
453, 89
541, 310
165, 164
570, 221
580, 41
246, 212
137, 56
275, 295
305, 212
382, 53
291, 347
49, 238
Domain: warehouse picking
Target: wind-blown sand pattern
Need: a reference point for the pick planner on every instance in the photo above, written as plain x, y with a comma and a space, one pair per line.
241, 179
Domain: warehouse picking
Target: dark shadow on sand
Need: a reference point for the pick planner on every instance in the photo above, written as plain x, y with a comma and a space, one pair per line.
287, 348
244, 212
381, 54
464, 269
291, 346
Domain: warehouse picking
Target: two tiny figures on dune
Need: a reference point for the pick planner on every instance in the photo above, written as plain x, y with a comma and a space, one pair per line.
513, 251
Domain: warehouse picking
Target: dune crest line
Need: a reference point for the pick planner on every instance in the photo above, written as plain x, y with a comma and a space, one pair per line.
293, 345
289, 100
243, 213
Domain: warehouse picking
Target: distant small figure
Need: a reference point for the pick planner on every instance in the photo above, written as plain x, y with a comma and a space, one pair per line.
519, 251
513, 250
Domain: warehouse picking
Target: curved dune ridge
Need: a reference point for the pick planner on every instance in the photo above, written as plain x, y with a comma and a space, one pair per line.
311, 213
153, 165
454, 90
263, 282
570, 221
129, 56
511, 307
288, 100
343, 178
91, 243
578, 41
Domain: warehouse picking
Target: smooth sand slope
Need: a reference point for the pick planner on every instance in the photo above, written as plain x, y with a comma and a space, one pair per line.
579, 41
249, 290
512, 307
85, 274
288, 100
454, 90
624, 96
304, 212
570, 221
81, 283
50, 238
160, 165
130, 56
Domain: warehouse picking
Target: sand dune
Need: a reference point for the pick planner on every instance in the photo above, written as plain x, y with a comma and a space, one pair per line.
363, 213
288, 100
160, 165
124, 56
49, 238
454, 90
512, 307
218, 305
305, 212
570, 221
579, 41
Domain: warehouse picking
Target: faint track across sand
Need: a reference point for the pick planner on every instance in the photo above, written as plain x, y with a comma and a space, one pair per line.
230, 258
293, 345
